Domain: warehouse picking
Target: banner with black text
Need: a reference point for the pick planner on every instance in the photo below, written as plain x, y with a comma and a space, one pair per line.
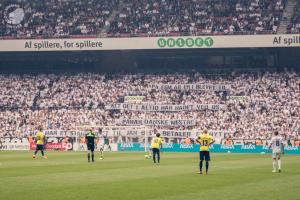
163, 108
188, 87
157, 122
135, 43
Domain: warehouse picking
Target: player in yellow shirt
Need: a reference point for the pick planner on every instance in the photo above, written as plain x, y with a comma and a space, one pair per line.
156, 146
205, 141
40, 142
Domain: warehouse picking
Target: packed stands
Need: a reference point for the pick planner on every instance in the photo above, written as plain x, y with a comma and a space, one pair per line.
197, 17
294, 26
270, 101
54, 19
77, 18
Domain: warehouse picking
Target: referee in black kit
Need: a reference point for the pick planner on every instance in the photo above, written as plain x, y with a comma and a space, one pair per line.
90, 143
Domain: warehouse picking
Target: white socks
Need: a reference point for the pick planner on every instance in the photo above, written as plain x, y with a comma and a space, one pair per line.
274, 165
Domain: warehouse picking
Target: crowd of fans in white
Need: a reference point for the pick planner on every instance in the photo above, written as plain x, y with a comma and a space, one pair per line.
271, 101
60, 18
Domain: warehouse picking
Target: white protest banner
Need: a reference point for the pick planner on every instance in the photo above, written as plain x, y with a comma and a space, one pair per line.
157, 122
188, 87
57, 133
176, 133
163, 108
167, 133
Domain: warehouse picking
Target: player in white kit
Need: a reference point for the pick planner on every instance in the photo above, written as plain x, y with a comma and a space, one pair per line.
100, 143
277, 150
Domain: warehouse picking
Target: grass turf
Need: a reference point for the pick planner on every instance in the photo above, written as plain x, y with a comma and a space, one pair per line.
129, 176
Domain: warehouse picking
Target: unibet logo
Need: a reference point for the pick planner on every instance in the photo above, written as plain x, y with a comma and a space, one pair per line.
185, 42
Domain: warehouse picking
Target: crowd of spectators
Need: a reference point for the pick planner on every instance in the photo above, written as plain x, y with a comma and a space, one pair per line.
197, 17
77, 18
294, 26
269, 101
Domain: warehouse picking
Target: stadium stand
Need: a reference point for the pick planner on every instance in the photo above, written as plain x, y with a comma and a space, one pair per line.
272, 101
63, 19
55, 19
197, 17
294, 26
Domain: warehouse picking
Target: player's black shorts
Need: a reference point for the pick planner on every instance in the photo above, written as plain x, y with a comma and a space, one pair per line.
204, 155
91, 147
39, 147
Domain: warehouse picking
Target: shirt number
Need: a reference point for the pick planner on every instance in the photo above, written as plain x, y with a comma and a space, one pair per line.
205, 142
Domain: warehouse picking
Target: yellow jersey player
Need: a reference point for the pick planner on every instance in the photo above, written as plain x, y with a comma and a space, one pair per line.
40, 142
156, 146
205, 140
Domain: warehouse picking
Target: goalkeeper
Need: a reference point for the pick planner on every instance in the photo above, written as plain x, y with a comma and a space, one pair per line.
90, 143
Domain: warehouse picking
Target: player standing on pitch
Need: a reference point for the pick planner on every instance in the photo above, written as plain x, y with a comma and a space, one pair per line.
90, 143
156, 146
277, 149
101, 143
205, 140
106, 142
40, 142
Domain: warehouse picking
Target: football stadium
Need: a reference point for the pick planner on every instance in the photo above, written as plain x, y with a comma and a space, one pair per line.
150, 99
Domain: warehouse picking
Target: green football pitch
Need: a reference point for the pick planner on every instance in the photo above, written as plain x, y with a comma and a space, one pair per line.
129, 176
